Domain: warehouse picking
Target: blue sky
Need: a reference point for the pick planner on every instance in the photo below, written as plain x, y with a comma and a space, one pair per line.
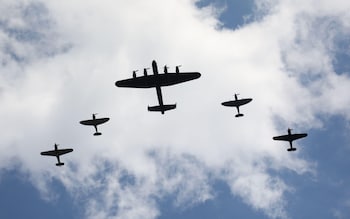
21, 199
291, 59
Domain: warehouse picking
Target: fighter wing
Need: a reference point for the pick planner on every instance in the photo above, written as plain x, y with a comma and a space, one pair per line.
158, 80
94, 122
56, 152
49, 153
236, 103
297, 136
64, 151
291, 137
283, 138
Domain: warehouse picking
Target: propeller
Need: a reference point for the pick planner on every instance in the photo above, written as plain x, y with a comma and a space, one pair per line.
177, 68
134, 73
93, 115
166, 68
145, 71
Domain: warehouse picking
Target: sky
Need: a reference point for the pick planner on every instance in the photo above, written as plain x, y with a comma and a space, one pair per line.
59, 61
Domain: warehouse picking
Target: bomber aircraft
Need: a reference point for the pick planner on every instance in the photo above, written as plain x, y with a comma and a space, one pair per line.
237, 103
57, 153
290, 137
158, 80
94, 122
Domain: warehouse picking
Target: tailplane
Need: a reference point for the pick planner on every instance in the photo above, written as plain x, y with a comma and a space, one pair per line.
291, 149
162, 108
59, 164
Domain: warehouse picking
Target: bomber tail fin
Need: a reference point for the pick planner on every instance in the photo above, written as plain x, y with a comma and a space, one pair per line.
162, 108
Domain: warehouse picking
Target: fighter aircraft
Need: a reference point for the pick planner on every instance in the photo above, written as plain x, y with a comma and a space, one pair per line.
237, 103
57, 153
290, 137
94, 122
158, 80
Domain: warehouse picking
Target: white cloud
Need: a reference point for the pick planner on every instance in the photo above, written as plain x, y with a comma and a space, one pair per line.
283, 61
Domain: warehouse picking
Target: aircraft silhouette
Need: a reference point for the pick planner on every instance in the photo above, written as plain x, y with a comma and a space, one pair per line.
290, 137
237, 103
94, 122
57, 153
158, 80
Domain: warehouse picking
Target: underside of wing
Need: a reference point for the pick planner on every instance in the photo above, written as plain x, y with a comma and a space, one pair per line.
64, 151
94, 122
177, 78
49, 153
235, 103
101, 120
139, 82
283, 138
297, 136
88, 122
158, 80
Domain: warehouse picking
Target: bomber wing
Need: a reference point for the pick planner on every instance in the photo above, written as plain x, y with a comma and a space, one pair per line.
158, 80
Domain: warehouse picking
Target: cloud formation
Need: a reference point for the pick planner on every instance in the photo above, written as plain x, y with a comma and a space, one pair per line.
59, 62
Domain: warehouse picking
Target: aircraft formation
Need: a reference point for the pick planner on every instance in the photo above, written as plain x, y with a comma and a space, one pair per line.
157, 80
